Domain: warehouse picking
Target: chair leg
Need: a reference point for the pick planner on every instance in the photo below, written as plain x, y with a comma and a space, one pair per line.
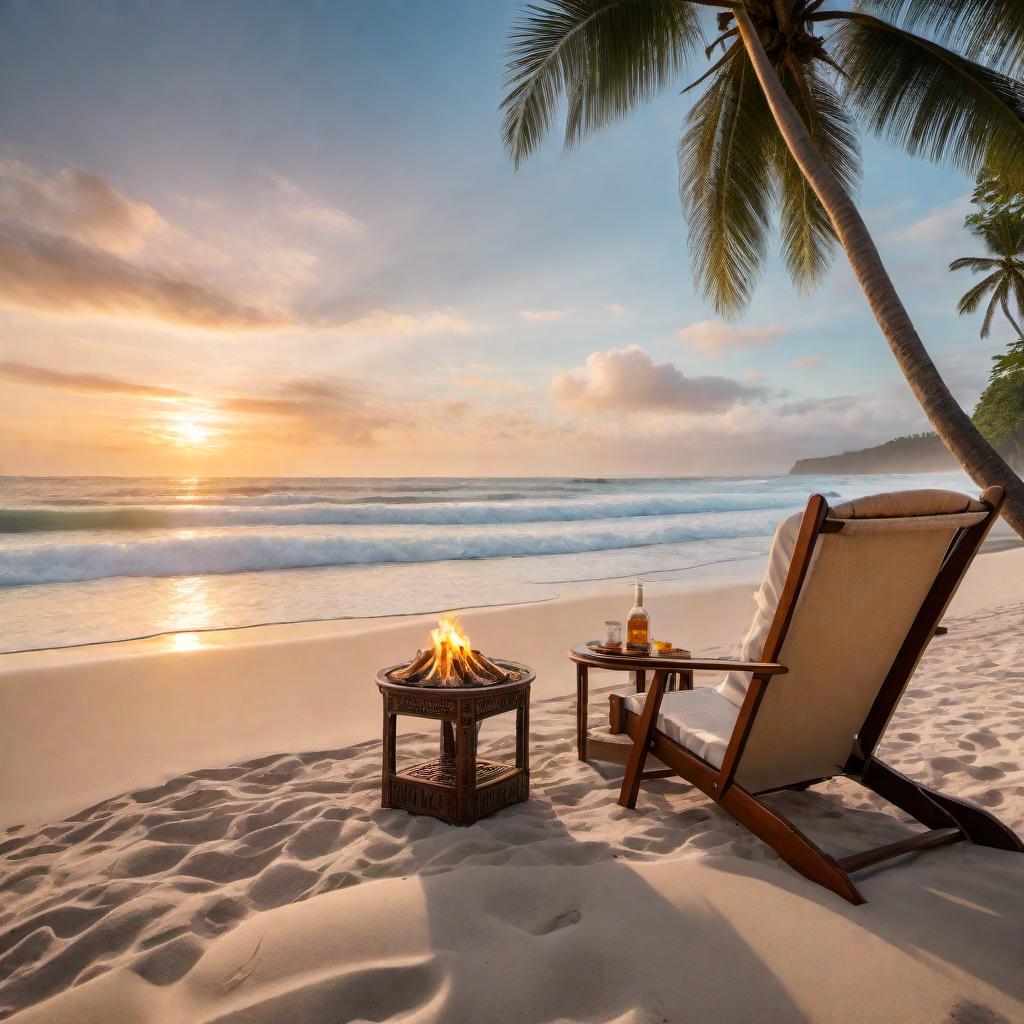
642, 741
938, 811
616, 716
789, 843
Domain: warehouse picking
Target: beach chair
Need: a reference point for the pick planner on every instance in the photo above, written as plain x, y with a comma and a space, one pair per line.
850, 599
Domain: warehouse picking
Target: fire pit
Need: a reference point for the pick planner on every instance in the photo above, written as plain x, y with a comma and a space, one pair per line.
452, 683
451, 661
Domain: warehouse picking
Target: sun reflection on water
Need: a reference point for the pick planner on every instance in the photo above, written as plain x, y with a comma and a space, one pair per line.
189, 607
186, 642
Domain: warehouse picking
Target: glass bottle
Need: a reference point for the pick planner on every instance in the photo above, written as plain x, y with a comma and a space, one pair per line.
638, 625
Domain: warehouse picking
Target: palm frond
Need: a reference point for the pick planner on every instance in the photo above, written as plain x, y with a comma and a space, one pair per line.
727, 186
807, 236
1018, 290
971, 300
931, 101
606, 56
998, 298
976, 264
987, 30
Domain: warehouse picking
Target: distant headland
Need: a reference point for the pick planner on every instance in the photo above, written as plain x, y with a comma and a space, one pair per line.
915, 453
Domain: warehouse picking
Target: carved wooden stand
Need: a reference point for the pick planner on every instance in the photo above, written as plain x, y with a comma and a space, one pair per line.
456, 786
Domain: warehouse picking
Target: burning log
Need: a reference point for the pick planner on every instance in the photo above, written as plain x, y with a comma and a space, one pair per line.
451, 662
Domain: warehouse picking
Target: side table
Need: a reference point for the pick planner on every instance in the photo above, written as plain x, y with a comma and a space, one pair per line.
678, 678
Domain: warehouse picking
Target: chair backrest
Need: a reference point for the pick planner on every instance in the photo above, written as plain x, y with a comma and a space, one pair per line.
843, 602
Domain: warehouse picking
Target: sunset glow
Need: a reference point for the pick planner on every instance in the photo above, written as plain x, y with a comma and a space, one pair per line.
334, 294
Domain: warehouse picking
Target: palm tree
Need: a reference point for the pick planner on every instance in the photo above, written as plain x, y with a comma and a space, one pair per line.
1003, 235
774, 130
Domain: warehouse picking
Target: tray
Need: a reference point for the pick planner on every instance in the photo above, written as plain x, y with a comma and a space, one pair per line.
623, 652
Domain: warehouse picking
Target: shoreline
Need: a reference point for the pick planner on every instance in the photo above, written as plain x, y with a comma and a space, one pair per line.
1002, 540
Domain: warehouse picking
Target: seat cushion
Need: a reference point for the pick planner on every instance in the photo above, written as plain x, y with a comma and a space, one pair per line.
700, 720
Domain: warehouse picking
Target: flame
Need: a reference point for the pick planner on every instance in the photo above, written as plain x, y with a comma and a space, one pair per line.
451, 646
451, 661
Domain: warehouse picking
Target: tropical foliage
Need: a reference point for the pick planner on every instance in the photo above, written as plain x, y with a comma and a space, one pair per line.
993, 196
932, 76
1000, 412
1002, 233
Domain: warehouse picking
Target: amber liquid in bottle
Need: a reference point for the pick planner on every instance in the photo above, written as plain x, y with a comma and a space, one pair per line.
638, 625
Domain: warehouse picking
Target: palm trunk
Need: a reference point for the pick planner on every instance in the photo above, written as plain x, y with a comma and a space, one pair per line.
980, 460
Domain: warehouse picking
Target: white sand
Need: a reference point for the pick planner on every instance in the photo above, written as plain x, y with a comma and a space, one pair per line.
278, 892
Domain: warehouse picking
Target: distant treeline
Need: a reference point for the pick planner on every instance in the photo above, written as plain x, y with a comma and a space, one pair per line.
913, 453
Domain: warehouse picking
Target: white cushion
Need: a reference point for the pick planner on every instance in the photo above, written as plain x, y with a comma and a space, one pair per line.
700, 720
734, 687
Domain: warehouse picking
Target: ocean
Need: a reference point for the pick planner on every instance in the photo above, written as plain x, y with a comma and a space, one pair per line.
95, 559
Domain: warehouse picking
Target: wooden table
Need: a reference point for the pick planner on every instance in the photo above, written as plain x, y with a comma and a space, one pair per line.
679, 677
456, 786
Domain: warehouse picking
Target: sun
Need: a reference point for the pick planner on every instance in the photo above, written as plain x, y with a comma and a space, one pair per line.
191, 432
187, 431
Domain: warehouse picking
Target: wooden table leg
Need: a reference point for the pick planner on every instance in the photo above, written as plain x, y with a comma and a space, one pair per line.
447, 741
582, 696
465, 763
523, 738
641, 680
390, 757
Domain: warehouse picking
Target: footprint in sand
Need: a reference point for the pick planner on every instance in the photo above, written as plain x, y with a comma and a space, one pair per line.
219, 915
968, 1012
566, 920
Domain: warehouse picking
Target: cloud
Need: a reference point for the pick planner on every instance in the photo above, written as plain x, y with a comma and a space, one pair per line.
38, 376
630, 381
304, 208
806, 362
320, 411
316, 411
713, 338
68, 245
540, 316
54, 274
941, 227
495, 387
77, 204
406, 325
615, 309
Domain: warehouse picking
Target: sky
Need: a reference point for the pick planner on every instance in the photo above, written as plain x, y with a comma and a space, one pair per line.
256, 238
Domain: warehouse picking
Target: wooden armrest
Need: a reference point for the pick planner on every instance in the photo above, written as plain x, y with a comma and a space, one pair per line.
758, 668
